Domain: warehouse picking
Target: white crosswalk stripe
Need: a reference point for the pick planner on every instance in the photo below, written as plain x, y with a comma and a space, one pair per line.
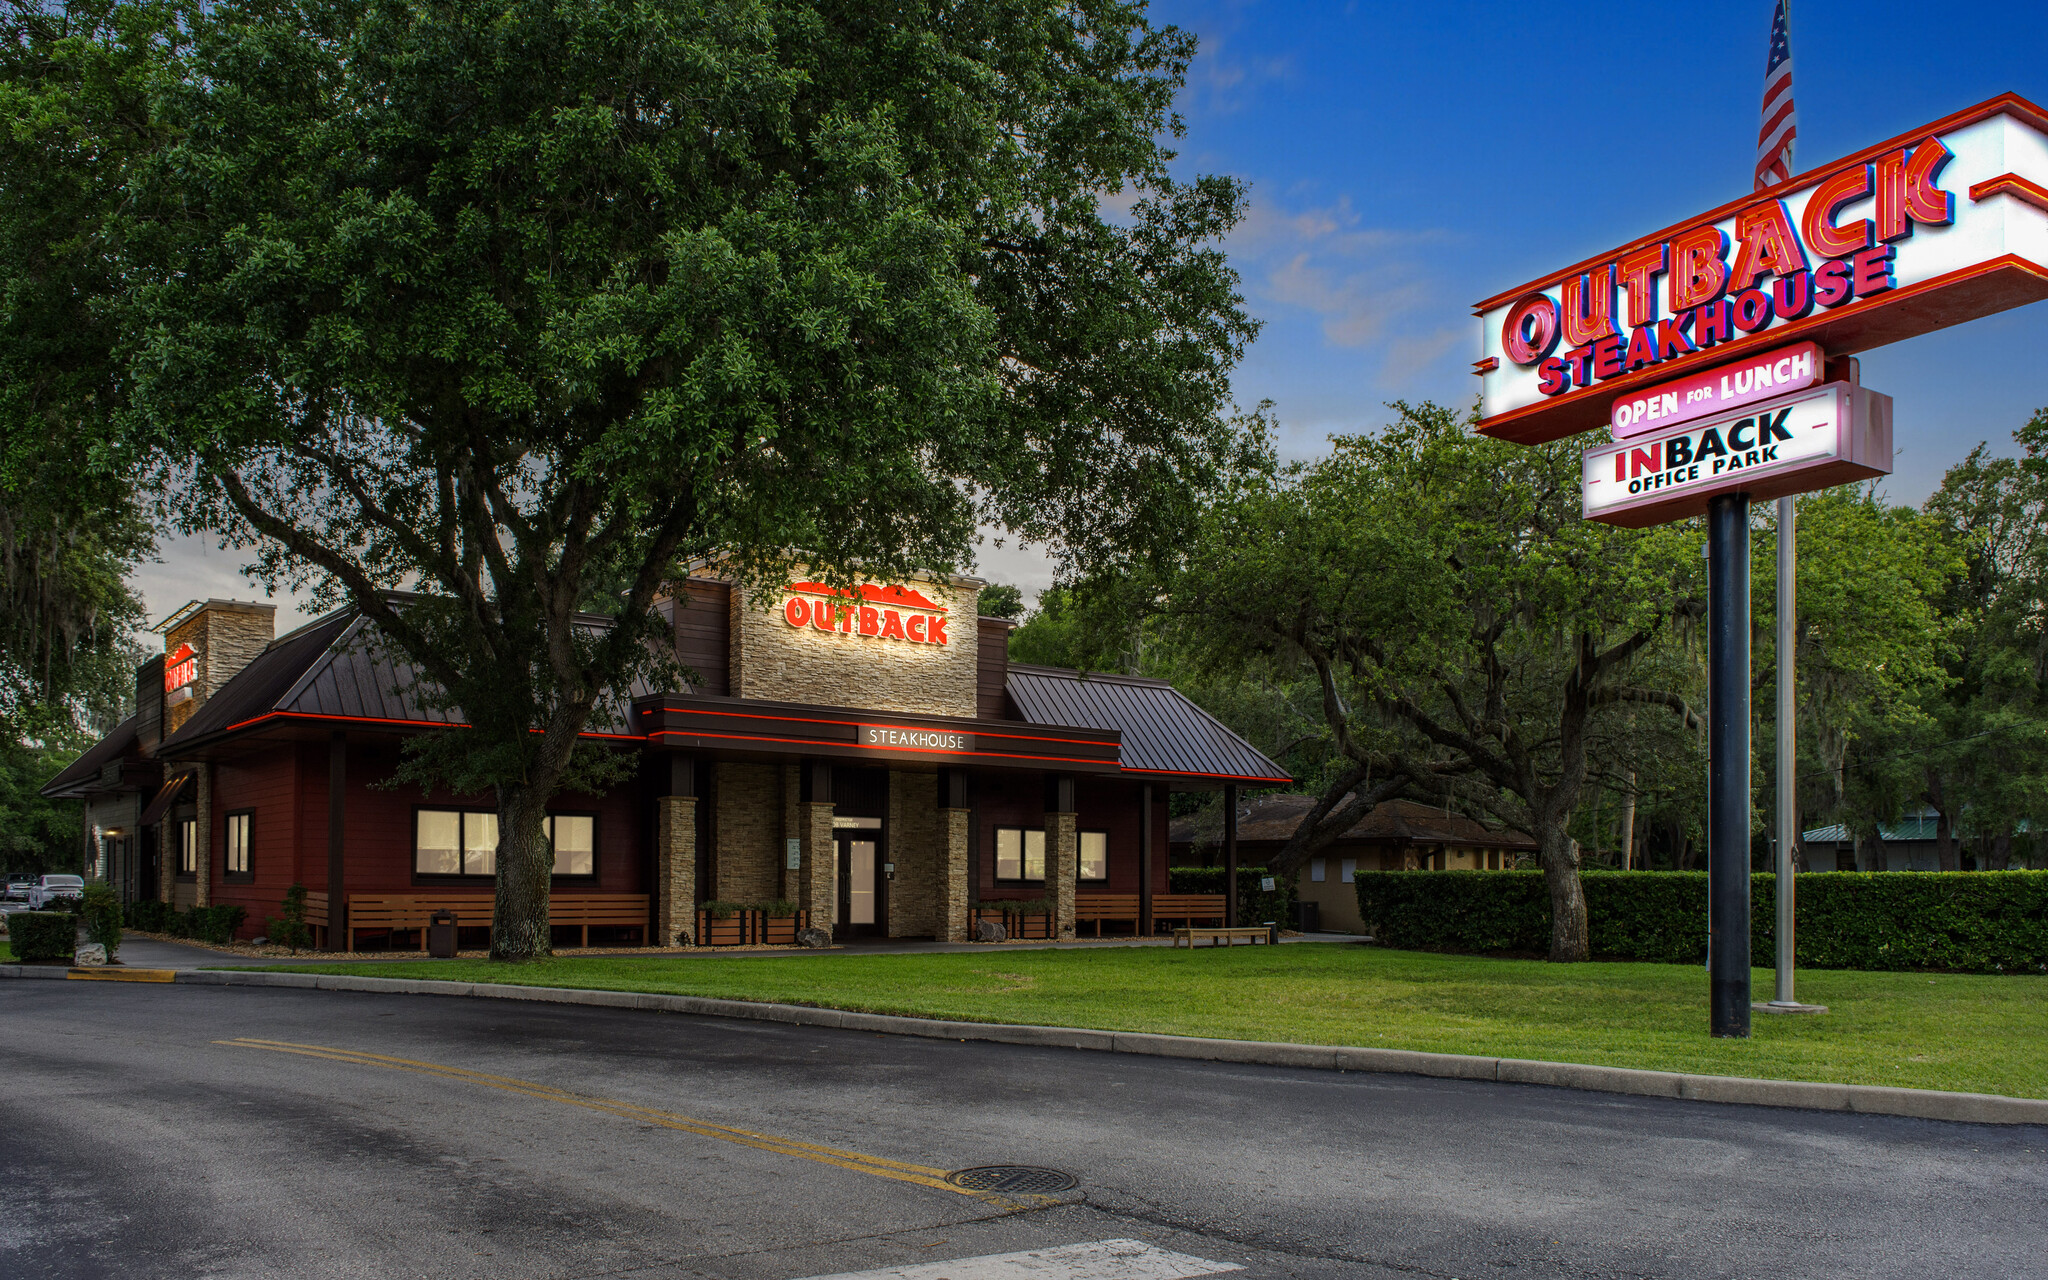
1094, 1260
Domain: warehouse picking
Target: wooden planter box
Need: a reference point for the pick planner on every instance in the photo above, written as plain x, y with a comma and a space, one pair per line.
779, 931
1018, 924
735, 930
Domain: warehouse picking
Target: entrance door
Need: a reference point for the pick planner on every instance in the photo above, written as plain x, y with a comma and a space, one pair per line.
863, 894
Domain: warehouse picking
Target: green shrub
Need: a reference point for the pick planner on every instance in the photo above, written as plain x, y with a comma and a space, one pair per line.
290, 929
1254, 905
100, 909
149, 917
215, 924
780, 908
719, 910
42, 935
1966, 921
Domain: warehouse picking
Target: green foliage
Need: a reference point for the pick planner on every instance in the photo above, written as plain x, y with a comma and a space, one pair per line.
1000, 600
778, 909
290, 929
516, 300
718, 909
1965, 922
42, 935
37, 835
150, 916
1254, 905
100, 909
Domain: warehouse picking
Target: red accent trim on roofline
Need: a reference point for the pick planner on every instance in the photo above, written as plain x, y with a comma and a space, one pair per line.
1197, 773
860, 724
423, 724
813, 742
2012, 184
2004, 103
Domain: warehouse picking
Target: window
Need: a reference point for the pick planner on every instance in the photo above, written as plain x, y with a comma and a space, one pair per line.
1347, 871
188, 847
574, 838
1315, 870
455, 842
1020, 853
241, 827
1094, 855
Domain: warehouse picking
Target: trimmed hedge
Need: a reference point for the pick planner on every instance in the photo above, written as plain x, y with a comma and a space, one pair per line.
215, 924
42, 935
1958, 921
1254, 905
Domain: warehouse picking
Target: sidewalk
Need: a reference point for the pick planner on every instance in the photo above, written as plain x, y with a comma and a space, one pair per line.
148, 953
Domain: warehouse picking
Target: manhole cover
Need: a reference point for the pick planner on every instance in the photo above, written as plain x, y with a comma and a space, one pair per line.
1011, 1177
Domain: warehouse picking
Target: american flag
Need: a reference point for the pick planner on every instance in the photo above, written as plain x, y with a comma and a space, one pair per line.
1781, 118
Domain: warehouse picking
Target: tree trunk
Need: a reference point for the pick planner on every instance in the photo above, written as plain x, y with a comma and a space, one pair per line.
1945, 843
1567, 896
2000, 857
1869, 851
1628, 824
519, 929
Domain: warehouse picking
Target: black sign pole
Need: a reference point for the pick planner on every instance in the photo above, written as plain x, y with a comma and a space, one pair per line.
1728, 761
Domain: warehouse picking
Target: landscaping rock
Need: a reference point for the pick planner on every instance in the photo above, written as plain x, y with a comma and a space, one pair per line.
91, 955
813, 938
990, 931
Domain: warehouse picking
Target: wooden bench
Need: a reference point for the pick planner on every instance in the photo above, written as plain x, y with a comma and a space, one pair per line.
1253, 933
415, 911
1106, 906
1186, 907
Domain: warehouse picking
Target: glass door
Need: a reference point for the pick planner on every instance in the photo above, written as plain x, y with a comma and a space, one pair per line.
863, 908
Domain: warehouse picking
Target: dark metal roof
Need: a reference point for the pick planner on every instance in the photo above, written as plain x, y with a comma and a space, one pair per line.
1163, 732
83, 774
336, 667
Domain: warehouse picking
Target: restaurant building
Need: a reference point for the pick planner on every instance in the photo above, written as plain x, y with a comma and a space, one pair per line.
870, 755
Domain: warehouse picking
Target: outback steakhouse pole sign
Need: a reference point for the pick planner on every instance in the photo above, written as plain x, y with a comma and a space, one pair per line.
1928, 230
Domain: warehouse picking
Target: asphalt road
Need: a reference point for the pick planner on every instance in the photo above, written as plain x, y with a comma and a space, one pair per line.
192, 1131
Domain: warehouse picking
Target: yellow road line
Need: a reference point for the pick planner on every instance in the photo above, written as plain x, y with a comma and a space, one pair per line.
121, 975
898, 1170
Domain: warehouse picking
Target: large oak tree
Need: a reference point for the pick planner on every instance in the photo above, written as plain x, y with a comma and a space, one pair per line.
520, 303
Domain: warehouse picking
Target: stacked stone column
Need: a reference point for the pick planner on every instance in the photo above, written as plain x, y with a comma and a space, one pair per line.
1062, 858
202, 880
955, 827
818, 877
675, 869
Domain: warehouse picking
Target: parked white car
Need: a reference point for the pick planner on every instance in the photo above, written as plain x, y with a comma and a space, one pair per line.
50, 888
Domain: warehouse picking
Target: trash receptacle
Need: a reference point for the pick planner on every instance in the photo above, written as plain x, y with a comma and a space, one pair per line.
441, 936
1272, 932
1308, 917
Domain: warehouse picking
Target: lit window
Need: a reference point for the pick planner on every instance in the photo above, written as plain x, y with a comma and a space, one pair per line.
188, 847
1315, 870
240, 831
1347, 871
1094, 855
574, 837
1020, 853
437, 842
479, 843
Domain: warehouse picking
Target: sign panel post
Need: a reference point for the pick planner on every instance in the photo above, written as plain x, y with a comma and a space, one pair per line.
1728, 761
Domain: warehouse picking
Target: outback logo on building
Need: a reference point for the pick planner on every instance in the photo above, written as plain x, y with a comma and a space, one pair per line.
885, 613
181, 672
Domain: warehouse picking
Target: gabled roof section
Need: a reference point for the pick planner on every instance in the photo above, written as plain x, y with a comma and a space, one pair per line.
336, 668
1273, 819
83, 774
1163, 732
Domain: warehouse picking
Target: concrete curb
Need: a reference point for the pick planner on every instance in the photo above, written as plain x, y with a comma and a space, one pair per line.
1861, 1099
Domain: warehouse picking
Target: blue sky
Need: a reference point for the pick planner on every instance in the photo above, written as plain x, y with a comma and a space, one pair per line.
1407, 160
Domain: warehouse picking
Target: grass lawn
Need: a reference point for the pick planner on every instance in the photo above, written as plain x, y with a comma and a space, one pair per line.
1931, 1031
6, 956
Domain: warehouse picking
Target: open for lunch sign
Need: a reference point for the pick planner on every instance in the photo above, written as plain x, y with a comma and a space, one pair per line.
1825, 435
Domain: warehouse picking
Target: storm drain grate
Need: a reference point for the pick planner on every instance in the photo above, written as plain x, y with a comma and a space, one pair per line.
1011, 1177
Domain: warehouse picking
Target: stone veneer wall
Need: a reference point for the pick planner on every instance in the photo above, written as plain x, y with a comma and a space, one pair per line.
675, 869
917, 845
226, 635
749, 826
775, 661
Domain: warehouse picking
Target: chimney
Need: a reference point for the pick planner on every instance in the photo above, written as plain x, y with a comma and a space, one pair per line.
205, 644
